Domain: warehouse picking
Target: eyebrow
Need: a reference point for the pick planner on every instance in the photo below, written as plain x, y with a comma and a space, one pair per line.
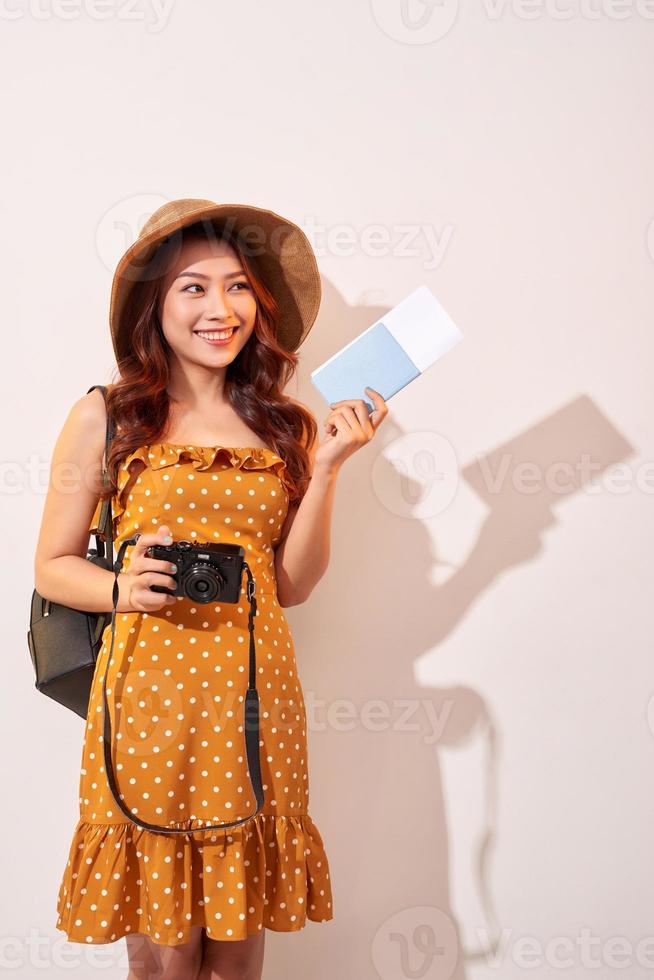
200, 275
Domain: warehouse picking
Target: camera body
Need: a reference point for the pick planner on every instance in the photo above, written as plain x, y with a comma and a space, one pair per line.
206, 571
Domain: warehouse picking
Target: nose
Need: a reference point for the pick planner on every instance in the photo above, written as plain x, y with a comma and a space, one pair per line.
220, 308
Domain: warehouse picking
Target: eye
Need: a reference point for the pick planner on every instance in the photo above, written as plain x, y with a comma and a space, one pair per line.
244, 285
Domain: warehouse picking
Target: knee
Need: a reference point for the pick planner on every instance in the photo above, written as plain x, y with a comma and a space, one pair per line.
233, 960
151, 962
190, 970
186, 968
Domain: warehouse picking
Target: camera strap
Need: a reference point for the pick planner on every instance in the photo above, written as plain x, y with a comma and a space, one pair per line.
251, 715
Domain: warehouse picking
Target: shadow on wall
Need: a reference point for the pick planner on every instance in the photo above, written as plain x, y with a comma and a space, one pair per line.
376, 736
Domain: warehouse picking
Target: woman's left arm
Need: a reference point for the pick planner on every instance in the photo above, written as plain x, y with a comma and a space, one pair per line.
302, 555
302, 558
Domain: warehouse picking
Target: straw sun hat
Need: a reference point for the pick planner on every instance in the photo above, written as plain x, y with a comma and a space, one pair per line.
279, 248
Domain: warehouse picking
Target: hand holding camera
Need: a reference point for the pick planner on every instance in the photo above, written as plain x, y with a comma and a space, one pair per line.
160, 570
144, 572
206, 571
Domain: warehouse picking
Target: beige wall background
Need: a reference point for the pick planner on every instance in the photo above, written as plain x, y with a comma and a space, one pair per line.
477, 662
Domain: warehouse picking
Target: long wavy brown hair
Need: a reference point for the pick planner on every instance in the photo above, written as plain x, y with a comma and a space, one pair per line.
138, 399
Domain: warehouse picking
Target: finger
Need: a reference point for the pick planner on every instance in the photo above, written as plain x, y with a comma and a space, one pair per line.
159, 565
357, 418
145, 541
330, 421
380, 410
152, 601
341, 425
342, 413
377, 400
361, 408
149, 578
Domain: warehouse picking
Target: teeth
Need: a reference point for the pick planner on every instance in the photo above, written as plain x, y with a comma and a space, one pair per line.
216, 335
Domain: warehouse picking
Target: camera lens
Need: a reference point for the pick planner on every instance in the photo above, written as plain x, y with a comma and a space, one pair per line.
203, 583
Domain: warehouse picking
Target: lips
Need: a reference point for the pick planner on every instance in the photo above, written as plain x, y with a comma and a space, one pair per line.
216, 342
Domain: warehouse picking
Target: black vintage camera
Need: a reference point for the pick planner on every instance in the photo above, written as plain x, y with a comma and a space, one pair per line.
206, 571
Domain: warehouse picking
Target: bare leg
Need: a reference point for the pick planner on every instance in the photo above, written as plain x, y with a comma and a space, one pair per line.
235, 959
152, 961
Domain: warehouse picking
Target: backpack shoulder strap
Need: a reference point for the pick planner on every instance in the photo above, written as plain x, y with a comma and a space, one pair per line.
105, 523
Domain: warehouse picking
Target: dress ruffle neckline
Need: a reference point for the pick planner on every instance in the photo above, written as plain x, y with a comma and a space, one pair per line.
157, 456
265, 862
161, 454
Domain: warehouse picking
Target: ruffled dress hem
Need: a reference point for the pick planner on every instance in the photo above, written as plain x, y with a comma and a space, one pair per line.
271, 872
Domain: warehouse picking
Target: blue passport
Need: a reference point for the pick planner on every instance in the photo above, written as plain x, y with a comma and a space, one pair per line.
390, 353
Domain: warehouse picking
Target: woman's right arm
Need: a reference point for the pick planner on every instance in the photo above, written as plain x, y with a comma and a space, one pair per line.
62, 572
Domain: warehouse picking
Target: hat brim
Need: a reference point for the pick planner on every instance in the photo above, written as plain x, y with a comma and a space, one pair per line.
279, 248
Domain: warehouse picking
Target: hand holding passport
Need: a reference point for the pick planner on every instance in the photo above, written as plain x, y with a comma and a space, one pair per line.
391, 353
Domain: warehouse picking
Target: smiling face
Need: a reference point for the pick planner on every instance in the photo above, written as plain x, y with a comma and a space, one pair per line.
208, 308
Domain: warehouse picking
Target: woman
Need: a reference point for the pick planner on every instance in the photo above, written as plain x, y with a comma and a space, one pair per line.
207, 448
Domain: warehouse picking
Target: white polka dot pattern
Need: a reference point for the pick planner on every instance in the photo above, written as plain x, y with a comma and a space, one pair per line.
176, 688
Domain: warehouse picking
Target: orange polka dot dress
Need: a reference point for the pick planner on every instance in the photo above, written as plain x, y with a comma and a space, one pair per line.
175, 689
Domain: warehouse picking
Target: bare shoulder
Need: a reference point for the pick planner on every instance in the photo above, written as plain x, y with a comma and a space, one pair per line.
87, 419
83, 435
75, 482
